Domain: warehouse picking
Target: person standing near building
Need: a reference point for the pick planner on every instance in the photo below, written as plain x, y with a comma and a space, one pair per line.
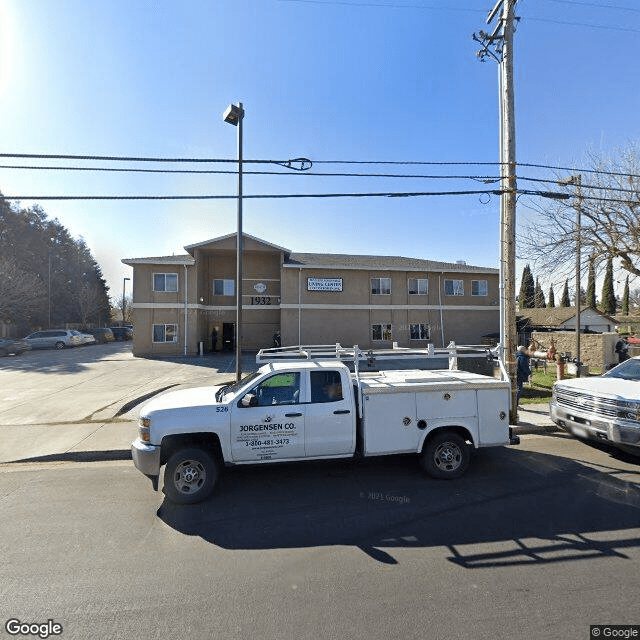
523, 370
622, 349
214, 339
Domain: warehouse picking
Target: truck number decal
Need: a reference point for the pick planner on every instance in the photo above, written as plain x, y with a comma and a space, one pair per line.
222, 409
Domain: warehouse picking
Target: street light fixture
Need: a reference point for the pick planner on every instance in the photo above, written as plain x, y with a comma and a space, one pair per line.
234, 115
124, 282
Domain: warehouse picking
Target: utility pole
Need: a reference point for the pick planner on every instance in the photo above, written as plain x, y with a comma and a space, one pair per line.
501, 41
576, 180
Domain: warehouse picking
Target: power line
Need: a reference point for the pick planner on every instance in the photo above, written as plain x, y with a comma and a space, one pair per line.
583, 24
597, 5
287, 164
387, 194
554, 195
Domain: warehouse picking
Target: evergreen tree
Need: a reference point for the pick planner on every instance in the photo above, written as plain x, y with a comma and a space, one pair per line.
564, 301
608, 303
552, 301
539, 301
625, 298
591, 285
526, 299
65, 284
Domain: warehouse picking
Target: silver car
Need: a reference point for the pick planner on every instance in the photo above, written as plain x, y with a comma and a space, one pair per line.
52, 339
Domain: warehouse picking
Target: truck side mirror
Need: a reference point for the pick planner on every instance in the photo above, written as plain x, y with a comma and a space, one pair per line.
249, 400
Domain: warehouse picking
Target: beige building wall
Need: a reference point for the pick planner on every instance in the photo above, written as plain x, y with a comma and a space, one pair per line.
309, 303
348, 316
170, 309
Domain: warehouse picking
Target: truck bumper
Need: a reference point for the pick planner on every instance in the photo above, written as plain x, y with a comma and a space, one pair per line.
593, 427
146, 458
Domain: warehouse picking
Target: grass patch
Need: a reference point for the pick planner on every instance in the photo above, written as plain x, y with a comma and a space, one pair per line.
539, 388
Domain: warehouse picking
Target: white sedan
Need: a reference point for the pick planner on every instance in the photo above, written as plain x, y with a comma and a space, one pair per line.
85, 338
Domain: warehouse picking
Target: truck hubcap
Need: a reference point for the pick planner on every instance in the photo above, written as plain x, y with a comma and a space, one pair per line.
189, 476
447, 456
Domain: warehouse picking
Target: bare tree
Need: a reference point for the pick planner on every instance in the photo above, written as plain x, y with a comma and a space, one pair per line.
21, 293
610, 212
87, 302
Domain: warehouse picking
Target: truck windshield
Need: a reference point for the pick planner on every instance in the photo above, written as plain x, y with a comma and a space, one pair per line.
627, 370
233, 388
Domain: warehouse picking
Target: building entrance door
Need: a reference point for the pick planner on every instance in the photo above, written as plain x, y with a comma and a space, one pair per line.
228, 336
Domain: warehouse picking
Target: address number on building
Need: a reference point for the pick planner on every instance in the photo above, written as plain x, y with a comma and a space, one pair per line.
260, 300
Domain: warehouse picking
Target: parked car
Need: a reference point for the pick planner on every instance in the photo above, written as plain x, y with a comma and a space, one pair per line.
122, 333
52, 339
605, 408
11, 346
102, 335
85, 338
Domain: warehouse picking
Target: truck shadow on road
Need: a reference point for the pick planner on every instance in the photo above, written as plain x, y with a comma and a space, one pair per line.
512, 507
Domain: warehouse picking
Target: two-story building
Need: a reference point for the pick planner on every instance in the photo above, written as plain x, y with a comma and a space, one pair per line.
310, 298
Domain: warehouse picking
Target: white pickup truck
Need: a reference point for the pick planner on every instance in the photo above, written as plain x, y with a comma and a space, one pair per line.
604, 408
310, 408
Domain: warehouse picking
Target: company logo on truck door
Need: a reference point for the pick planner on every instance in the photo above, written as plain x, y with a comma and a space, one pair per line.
267, 427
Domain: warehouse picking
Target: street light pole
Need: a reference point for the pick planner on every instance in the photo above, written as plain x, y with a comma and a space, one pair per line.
234, 115
124, 282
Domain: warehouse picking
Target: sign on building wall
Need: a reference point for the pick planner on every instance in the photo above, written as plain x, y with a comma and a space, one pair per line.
324, 284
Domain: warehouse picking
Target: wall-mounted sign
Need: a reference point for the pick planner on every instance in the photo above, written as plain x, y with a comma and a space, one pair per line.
324, 284
260, 287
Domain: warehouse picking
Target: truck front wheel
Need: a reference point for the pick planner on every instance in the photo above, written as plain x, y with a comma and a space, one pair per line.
446, 456
190, 476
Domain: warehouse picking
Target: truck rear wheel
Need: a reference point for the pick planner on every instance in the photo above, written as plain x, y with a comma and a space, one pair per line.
446, 456
190, 476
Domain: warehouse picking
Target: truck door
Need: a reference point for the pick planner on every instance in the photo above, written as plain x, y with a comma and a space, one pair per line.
330, 420
268, 422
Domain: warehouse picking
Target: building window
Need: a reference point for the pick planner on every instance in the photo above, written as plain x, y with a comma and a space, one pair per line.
166, 282
419, 331
224, 287
479, 288
381, 286
454, 287
418, 286
381, 332
165, 332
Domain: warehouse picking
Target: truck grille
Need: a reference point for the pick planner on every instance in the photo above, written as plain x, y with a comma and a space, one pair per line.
580, 401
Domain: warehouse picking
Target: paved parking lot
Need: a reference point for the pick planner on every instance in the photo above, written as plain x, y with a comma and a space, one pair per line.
87, 398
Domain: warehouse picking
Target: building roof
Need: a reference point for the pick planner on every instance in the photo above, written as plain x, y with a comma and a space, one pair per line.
245, 236
323, 260
386, 263
160, 260
556, 316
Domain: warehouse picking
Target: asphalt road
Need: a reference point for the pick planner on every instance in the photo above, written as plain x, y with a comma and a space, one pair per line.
541, 540
538, 541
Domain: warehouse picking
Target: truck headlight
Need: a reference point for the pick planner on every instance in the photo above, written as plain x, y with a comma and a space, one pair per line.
144, 429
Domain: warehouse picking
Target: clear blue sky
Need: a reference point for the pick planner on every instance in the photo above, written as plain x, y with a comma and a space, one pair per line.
327, 80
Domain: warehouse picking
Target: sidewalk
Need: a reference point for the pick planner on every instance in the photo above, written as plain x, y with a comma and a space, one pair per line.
534, 418
84, 406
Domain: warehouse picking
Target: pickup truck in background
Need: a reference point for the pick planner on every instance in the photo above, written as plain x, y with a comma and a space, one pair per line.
306, 405
604, 408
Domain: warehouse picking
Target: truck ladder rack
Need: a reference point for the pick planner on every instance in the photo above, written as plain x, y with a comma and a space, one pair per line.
355, 354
